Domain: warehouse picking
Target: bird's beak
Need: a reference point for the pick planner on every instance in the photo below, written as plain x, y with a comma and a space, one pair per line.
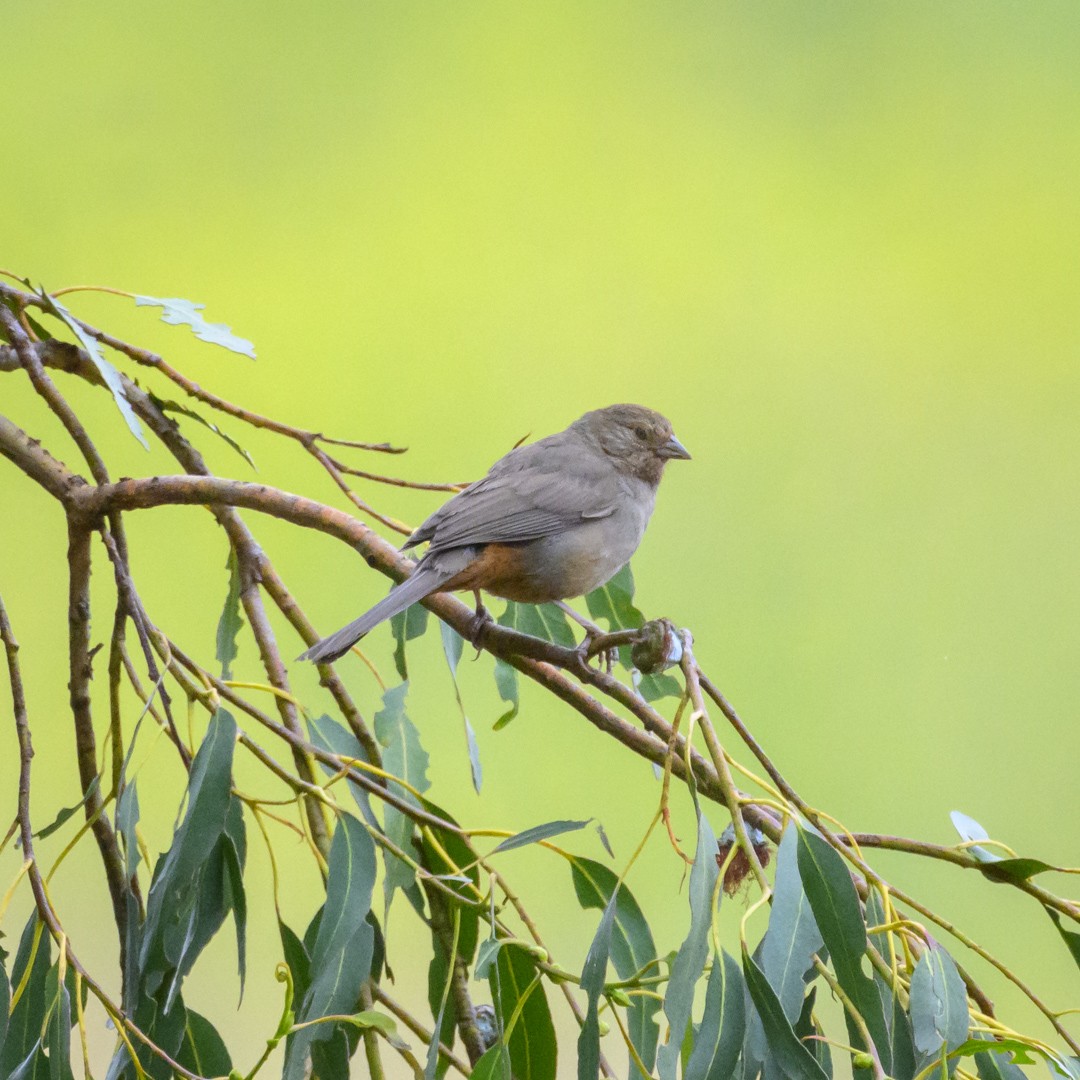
674, 449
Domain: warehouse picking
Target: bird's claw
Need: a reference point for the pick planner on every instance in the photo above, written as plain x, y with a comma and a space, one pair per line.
478, 627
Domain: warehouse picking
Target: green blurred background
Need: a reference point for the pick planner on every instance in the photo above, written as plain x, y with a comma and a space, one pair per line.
835, 242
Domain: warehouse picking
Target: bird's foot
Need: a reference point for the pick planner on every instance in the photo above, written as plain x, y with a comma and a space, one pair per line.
479, 625
597, 645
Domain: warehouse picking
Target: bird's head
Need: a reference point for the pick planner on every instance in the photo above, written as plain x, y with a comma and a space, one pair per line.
639, 440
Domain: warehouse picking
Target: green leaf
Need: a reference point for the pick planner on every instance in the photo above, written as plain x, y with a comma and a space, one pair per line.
405, 758
297, 957
810, 1036
939, 1012
531, 1042
407, 625
327, 734
342, 951
370, 1018
5, 1004
63, 815
839, 917
690, 960
506, 682
719, 1038
1015, 870
127, 817
493, 1065
593, 975
192, 891
789, 945
539, 832
231, 620
631, 946
991, 1060
109, 375
544, 621
791, 1055
202, 1050
485, 957
1070, 937
453, 645
168, 406
180, 312
655, 687
614, 602
27, 1019
56, 1038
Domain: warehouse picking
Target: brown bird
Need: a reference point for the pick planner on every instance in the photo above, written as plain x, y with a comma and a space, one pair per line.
551, 520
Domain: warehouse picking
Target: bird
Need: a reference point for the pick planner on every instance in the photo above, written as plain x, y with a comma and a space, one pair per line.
551, 520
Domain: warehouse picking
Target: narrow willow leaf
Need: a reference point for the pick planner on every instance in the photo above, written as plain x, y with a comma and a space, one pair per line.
5, 1004
67, 812
167, 406
810, 1035
969, 829
506, 682
604, 840
405, 626
327, 734
539, 832
1070, 937
180, 312
299, 960
794, 1059
719, 1039
485, 957
839, 917
1015, 870
453, 646
593, 975
631, 947
192, 891
532, 1041
939, 1013
234, 850
789, 945
56, 1038
127, 817
110, 376
442, 1015
403, 757
690, 960
202, 1050
24, 1025
231, 621
342, 951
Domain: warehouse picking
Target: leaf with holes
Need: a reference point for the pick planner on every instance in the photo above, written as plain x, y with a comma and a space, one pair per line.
231, 621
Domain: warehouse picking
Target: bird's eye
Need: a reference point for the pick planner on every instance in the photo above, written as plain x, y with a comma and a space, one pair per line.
641, 433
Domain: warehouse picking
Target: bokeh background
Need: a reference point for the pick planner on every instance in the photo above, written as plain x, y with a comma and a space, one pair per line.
836, 243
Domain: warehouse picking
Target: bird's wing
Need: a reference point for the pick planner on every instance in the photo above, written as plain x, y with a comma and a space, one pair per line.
534, 491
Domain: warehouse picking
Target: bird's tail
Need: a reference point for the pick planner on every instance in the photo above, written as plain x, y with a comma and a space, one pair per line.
425, 580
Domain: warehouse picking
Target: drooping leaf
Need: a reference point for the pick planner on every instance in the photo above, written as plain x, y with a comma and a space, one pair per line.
180, 312
796, 1061
202, 1050
1070, 937
5, 1004
109, 375
192, 891
485, 957
28, 1015
168, 406
405, 758
614, 602
231, 621
939, 1012
810, 1035
453, 644
56, 1038
690, 960
342, 951
327, 734
506, 682
1015, 870
297, 957
593, 975
68, 811
788, 948
405, 626
901, 1051
539, 832
532, 1041
631, 946
719, 1038
127, 817
839, 917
